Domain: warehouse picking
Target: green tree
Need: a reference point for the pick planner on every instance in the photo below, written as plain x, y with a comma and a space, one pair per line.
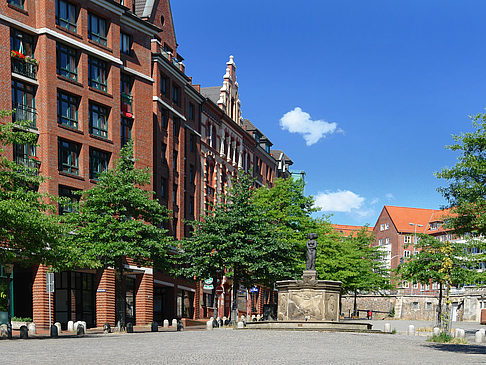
289, 210
235, 237
446, 263
117, 219
354, 261
28, 226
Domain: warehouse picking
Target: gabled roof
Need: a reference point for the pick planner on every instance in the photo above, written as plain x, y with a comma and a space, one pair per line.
403, 216
348, 230
280, 155
212, 93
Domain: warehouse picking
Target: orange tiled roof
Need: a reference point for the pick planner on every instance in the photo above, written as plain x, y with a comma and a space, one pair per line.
350, 230
403, 216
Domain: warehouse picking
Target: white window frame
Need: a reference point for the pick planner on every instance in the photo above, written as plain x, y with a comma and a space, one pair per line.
387, 241
406, 253
405, 284
407, 239
387, 226
382, 227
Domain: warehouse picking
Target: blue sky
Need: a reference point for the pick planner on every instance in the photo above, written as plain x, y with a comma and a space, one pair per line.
380, 87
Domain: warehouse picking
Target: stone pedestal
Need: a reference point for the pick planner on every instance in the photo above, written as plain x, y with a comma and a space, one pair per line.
308, 299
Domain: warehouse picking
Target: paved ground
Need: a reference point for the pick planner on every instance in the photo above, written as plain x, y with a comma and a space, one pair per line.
227, 346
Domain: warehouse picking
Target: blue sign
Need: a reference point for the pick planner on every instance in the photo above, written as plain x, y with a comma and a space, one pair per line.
254, 290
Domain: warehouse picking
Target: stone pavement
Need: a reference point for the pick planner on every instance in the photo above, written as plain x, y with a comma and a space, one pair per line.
228, 346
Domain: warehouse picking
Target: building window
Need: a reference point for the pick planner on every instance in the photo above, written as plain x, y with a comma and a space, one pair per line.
98, 74
26, 155
406, 284
191, 111
164, 85
21, 42
126, 130
17, 3
98, 120
192, 142
174, 226
415, 305
176, 97
407, 239
415, 285
382, 227
176, 127
68, 157
380, 241
125, 44
174, 161
23, 103
174, 194
67, 62
163, 153
164, 117
192, 174
406, 253
67, 192
97, 29
387, 241
67, 109
191, 207
98, 162
163, 188
387, 225
126, 98
66, 15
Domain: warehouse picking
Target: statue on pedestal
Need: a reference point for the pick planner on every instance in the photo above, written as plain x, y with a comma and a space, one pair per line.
311, 251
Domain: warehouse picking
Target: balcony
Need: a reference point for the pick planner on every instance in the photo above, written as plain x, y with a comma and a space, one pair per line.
32, 163
25, 113
126, 105
25, 66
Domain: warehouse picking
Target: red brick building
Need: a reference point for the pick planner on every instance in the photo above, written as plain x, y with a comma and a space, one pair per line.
115, 72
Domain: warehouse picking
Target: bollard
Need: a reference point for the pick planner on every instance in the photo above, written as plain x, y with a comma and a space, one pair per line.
209, 325
253, 318
243, 319
460, 333
218, 320
106, 328
224, 320
154, 327
58, 325
258, 317
174, 323
220, 323
54, 333
166, 323
24, 332
70, 326
180, 326
387, 328
436, 331
129, 327
80, 330
411, 330
3, 331
31, 328
478, 337
241, 325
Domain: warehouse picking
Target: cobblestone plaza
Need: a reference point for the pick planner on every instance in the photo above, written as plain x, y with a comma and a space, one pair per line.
241, 347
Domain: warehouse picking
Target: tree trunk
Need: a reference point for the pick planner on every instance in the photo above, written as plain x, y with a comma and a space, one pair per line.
447, 317
234, 308
439, 308
215, 298
122, 296
355, 307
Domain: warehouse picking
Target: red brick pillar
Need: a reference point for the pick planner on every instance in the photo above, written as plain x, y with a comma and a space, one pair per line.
144, 300
40, 301
260, 300
197, 300
105, 298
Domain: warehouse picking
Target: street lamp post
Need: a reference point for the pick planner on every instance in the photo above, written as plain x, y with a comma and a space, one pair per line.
7, 270
415, 234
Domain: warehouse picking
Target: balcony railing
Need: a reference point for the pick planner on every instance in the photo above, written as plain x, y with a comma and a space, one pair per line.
25, 113
24, 68
126, 104
29, 162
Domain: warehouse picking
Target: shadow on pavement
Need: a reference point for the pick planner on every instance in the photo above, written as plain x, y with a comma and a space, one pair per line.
463, 349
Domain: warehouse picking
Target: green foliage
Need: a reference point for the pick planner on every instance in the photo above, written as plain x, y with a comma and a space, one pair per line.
288, 209
117, 218
353, 261
445, 337
236, 236
21, 319
27, 225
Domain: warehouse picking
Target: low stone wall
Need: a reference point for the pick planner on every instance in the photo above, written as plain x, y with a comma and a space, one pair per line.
381, 306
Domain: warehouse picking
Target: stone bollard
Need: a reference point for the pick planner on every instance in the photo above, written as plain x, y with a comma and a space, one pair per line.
54, 333
209, 325
224, 320
31, 328
180, 326
411, 330
258, 317
243, 319
58, 325
166, 323
220, 323
106, 328
387, 328
3, 331
80, 330
70, 326
436, 331
460, 333
241, 325
478, 337
483, 331
154, 327
253, 318
129, 327
174, 323
24, 332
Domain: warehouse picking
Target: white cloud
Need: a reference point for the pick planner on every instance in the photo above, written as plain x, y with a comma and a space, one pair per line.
389, 196
298, 121
341, 201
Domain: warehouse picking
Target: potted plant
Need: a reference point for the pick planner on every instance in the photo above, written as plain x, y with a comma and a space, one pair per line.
17, 54
32, 61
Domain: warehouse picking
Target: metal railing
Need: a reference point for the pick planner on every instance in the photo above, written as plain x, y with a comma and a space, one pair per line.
126, 103
24, 68
25, 113
29, 163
